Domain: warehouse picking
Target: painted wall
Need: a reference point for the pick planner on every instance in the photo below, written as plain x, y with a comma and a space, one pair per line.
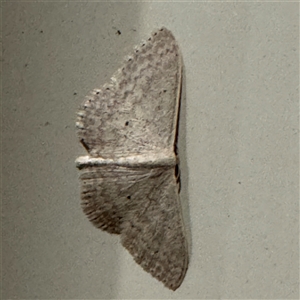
238, 144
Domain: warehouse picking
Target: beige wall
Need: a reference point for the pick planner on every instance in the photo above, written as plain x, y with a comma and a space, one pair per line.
239, 145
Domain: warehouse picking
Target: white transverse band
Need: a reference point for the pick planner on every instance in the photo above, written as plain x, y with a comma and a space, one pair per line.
146, 160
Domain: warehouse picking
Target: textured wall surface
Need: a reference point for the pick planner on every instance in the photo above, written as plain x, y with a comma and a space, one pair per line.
238, 145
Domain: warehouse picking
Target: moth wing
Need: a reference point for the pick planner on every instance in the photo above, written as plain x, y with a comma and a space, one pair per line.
154, 233
137, 111
100, 198
142, 205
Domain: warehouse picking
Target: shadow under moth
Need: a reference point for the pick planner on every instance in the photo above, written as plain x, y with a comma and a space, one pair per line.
130, 178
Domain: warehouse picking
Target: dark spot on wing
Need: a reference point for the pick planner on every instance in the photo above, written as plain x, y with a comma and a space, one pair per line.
84, 144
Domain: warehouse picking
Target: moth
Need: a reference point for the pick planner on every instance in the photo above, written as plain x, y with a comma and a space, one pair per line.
130, 177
